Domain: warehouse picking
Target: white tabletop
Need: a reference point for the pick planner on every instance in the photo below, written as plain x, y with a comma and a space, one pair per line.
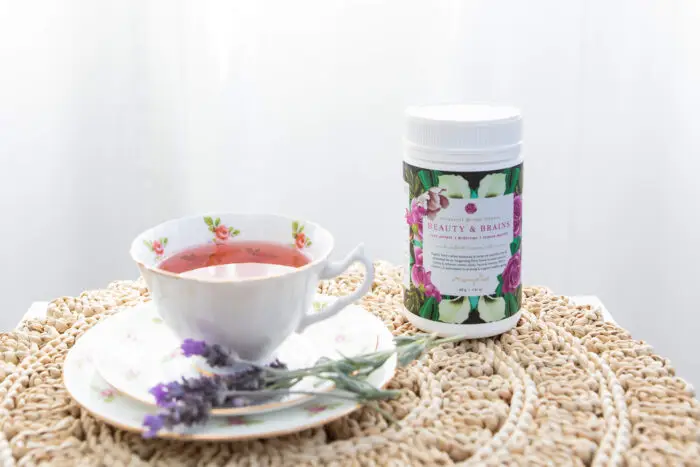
38, 309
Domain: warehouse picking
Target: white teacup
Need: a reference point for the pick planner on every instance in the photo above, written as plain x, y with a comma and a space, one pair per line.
251, 308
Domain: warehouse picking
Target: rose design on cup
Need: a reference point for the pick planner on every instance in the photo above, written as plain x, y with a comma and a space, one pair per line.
221, 231
470, 208
301, 240
157, 246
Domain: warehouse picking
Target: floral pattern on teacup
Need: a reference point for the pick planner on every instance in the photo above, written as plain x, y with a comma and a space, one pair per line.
157, 246
221, 231
301, 240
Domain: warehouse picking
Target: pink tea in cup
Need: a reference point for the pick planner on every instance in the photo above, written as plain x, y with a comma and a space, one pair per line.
212, 259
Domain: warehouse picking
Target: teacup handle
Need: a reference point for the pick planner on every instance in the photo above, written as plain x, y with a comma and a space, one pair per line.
334, 269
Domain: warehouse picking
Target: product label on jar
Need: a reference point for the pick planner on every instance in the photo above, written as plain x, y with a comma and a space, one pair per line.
464, 244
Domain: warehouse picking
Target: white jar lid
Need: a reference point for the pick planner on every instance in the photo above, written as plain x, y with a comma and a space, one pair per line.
463, 129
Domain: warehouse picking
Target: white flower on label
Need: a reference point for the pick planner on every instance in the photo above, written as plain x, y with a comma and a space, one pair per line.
492, 185
492, 309
454, 311
455, 186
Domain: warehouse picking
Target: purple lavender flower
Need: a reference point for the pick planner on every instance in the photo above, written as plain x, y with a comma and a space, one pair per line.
192, 347
160, 392
189, 401
154, 423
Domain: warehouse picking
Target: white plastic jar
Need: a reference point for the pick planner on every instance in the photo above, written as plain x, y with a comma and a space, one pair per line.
463, 174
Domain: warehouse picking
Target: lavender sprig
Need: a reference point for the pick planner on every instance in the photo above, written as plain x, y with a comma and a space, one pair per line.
190, 401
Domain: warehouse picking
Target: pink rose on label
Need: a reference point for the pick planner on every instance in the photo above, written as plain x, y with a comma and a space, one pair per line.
511, 274
470, 208
221, 232
158, 247
517, 215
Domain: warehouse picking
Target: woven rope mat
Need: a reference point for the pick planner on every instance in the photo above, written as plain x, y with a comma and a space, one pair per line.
563, 388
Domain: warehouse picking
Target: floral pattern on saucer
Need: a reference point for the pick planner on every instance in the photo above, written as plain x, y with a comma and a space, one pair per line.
242, 421
97, 397
139, 352
318, 408
221, 231
106, 394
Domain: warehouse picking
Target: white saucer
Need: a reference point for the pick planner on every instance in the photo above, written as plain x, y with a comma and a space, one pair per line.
138, 351
106, 403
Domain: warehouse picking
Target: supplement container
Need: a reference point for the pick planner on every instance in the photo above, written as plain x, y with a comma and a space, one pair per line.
463, 174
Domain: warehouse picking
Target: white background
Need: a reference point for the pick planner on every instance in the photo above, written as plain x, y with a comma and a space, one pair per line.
117, 115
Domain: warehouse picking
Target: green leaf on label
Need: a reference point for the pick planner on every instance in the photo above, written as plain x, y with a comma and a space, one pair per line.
519, 186
514, 179
515, 245
426, 311
436, 177
426, 179
295, 226
217, 221
506, 297
417, 243
499, 290
518, 299
236, 232
208, 220
500, 278
511, 305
